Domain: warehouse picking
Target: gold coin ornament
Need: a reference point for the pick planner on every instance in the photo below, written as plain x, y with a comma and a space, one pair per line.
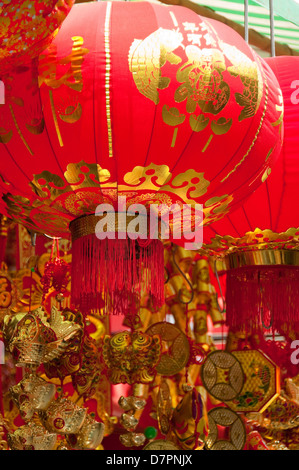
164, 408
176, 348
160, 444
236, 432
261, 385
222, 375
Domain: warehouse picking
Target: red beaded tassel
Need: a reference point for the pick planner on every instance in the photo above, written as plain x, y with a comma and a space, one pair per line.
266, 296
111, 274
56, 272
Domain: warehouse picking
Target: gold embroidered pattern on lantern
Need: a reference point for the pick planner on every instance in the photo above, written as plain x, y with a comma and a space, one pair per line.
254, 241
69, 110
250, 75
148, 56
84, 186
201, 78
187, 186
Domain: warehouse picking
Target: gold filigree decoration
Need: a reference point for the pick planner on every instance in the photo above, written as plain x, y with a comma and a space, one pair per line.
253, 241
187, 186
57, 200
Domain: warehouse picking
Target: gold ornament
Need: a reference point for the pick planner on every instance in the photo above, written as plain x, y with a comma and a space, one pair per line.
63, 417
222, 375
31, 437
177, 355
90, 436
34, 339
190, 421
160, 444
261, 385
227, 418
131, 357
164, 408
32, 394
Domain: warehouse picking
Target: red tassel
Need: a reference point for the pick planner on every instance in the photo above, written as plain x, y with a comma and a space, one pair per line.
266, 296
56, 272
111, 274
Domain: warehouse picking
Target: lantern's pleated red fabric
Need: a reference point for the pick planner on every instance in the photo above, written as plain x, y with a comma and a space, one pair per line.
269, 295
110, 107
41, 132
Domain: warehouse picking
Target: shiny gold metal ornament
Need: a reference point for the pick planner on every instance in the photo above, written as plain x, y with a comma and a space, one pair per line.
227, 418
63, 417
164, 408
261, 384
32, 394
160, 444
176, 345
222, 375
31, 437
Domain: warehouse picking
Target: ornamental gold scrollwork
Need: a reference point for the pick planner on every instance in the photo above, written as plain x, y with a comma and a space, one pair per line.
256, 240
56, 200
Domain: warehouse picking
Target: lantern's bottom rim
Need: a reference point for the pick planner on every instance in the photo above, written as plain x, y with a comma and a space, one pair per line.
271, 257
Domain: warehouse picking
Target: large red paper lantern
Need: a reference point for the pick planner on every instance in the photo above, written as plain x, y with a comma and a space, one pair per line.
260, 240
136, 99
27, 27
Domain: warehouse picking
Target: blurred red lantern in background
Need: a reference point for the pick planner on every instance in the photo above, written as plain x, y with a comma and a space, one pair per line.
260, 240
28, 27
136, 99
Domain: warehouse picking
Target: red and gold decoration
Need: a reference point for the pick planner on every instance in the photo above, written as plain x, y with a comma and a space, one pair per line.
235, 438
28, 27
223, 375
194, 88
115, 334
8, 292
190, 421
261, 385
55, 273
131, 358
259, 242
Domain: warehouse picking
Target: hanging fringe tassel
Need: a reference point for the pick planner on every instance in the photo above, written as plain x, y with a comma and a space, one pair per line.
109, 275
266, 296
3, 237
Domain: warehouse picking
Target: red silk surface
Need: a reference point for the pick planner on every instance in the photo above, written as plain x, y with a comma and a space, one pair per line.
148, 101
274, 205
267, 296
27, 27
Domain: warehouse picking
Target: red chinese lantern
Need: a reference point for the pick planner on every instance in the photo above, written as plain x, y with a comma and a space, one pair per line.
140, 100
260, 240
28, 27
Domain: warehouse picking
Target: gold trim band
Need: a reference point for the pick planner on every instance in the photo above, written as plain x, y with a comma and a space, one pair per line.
114, 223
261, 258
